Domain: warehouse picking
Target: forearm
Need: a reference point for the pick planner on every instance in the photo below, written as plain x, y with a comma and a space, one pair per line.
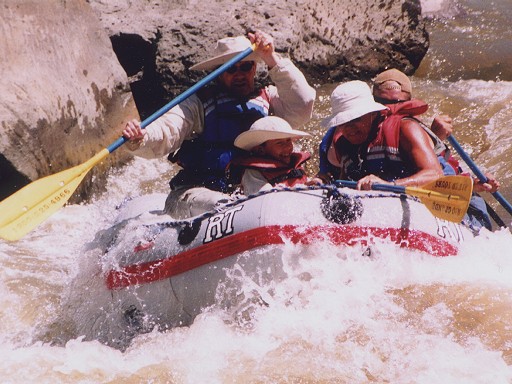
166, 134
420, 178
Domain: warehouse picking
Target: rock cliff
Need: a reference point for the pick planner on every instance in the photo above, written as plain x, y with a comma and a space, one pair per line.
64, 92
330, 40
72, 69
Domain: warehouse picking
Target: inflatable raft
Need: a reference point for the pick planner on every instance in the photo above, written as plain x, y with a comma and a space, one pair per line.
165, 272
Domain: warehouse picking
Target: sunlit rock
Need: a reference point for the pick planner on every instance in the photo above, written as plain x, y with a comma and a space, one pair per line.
64, 94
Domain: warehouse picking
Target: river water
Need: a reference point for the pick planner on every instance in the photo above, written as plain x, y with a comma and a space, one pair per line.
396, 318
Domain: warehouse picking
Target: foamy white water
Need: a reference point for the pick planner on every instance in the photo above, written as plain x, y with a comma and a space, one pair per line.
339, 317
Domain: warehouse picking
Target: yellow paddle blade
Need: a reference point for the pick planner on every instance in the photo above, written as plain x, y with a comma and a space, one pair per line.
30, 206
447, 197
34, 203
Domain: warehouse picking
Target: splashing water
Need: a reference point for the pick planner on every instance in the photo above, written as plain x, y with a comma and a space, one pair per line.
339, 315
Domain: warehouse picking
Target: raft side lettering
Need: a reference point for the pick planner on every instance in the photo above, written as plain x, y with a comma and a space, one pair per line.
447, 229
221, 225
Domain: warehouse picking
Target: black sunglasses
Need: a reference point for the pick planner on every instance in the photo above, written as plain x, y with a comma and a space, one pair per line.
246, 66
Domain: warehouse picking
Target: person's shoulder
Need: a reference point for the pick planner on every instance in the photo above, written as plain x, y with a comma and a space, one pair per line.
412, 131
410, 123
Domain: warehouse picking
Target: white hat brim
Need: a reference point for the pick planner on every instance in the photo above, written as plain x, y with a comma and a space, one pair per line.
217, 61
249, 139
351, 114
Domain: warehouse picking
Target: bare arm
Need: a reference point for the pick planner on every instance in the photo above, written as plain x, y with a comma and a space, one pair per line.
442, 126
491, 186
416, 147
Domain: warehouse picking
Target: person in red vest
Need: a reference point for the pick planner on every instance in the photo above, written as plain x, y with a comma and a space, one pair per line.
393, 88
364, 145
269, 160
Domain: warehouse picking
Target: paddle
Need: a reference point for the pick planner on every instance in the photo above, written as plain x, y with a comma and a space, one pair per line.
471, 164
446, 198
30, 206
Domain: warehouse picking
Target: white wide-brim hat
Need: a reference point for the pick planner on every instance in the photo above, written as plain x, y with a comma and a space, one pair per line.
267, 128
225, 50
349, 101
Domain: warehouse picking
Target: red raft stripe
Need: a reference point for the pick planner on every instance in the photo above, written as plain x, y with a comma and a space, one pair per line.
270, 235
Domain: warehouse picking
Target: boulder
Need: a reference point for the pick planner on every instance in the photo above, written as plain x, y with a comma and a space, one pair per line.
65, 95
330, 40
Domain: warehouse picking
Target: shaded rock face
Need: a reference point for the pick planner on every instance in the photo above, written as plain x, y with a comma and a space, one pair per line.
64, 93
330, 40
69, 68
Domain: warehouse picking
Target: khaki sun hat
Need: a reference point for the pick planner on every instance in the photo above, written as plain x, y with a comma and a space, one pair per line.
267, 128
394, 75
225, 50
350, 101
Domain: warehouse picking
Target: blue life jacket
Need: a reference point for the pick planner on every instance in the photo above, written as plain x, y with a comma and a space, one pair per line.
447, 167
204, 159
325, 167
359, 161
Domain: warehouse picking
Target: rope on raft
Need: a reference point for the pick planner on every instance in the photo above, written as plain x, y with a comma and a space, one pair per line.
332, 191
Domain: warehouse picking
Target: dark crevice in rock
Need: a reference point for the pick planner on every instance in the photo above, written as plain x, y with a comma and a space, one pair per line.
137, 56
10, 179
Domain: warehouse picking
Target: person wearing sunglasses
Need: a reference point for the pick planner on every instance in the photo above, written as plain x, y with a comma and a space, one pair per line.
198, 134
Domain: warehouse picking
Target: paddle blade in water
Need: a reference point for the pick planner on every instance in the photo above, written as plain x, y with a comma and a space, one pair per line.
31, 205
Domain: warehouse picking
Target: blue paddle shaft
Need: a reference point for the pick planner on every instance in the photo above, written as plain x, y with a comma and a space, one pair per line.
183, 96
375, 187
471, 164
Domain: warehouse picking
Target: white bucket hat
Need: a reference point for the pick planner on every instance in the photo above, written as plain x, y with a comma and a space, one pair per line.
226, 49
349, 101
266, 128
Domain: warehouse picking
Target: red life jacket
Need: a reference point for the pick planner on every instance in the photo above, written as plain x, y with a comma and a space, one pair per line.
413, 108
380, 157
388, 136
454, 163
275, 171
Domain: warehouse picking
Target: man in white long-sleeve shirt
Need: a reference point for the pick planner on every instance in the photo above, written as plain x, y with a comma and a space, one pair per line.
198, 134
